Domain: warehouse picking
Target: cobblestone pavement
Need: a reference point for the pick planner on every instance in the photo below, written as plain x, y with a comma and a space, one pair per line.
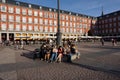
96, 63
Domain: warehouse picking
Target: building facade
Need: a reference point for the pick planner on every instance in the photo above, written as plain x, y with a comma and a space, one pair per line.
24, 21
108, 25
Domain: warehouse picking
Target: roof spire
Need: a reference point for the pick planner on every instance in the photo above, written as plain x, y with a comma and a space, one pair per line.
102, 11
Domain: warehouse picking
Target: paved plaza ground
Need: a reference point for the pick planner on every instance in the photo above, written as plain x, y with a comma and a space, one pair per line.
96, 62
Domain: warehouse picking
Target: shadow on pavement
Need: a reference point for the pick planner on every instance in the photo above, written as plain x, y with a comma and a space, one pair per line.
29, 54
1, 79
95, 68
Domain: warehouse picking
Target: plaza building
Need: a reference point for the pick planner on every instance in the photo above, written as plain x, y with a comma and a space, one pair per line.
108, 25
24, 21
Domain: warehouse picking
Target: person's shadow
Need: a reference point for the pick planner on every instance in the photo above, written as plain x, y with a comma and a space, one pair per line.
29, 54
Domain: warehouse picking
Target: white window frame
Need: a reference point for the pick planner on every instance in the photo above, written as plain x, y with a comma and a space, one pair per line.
17, 10
40, 14
11, 18
24, 20
3, 27
29, 20
24, 27
18, 19
11, 10
3, 8
24, 11
30, 28
35, 13
29, 12
35, 20
41, 21
36, 28
3, 17
17, 27
11, 27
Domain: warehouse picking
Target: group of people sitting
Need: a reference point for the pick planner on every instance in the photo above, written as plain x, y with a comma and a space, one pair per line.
55, 54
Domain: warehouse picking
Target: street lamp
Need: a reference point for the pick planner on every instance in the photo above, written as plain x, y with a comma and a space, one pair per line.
58, 34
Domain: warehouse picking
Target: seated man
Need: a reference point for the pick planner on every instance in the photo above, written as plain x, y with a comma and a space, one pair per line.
74, 52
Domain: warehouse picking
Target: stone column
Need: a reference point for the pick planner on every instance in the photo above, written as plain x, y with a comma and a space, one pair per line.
8, 36
0, 37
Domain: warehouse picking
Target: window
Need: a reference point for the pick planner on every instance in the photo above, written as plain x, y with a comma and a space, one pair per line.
66, 23
17, 11
18, 19
11, 18
46, 29
4, 1
119, 24
119, 29
66, 17
41, 28
36, 28
3, 8
24, 19
55, 23
63, 29
81, 31
119, 18
35, 20
10, 10
50, 22
29, 20
40, 14
46, 15
114, 24
114, 29
11, 27
24, 28
29, 12
70, 24
74, 24
24, 11
70, 18
51, 29
46, 22
35, 13
3, 27
63, 23
55, 16
74, 19
110, 20
41, 21
74, 30
30, 28
63, 17
80, 25
55, 29
17, 27
71, 30
67, 30
3, 17
50, 15
114, 19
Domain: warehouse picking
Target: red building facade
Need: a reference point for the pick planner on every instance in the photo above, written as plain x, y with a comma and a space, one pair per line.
24, 21
108, 25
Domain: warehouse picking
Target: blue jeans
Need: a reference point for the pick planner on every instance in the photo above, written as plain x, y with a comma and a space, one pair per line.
54, 56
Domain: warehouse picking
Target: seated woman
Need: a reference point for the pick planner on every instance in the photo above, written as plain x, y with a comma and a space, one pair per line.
60, 54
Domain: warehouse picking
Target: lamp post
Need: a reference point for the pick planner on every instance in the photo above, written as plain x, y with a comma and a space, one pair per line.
58, 34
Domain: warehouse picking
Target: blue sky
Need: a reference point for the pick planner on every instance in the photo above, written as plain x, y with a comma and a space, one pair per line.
87, 7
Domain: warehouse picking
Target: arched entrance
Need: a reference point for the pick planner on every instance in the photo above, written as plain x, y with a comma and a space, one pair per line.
4, 37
